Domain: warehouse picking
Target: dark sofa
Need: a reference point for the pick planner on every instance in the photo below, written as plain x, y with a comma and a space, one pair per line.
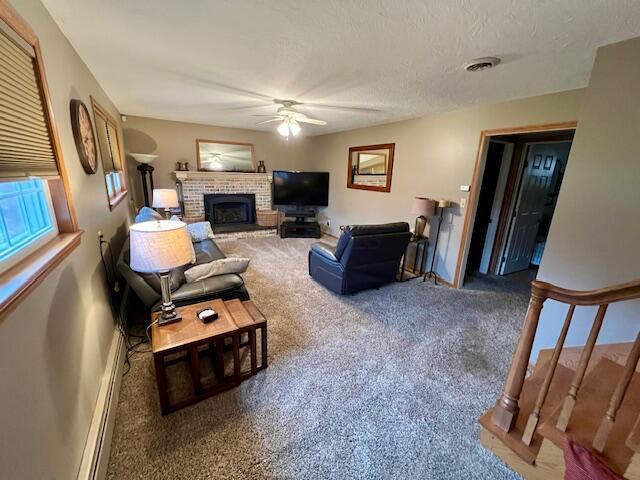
147, 286
366, 256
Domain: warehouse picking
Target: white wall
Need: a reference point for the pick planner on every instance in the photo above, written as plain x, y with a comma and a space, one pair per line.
594, 240
176, 141
54, 346
434, 155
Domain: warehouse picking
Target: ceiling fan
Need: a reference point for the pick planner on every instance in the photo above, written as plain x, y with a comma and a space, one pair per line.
289, 118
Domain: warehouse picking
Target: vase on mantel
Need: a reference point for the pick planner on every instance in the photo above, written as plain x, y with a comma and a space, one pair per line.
261, 167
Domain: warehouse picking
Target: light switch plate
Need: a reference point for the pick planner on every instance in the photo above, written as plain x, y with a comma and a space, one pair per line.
463, 202
465, 188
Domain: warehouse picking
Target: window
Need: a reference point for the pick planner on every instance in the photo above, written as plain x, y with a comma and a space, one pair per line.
26, 219
38, 226
110, 154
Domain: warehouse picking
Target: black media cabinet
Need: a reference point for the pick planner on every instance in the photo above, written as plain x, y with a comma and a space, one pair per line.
300, 230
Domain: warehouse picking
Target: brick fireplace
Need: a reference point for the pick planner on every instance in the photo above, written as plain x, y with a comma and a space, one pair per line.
232, 192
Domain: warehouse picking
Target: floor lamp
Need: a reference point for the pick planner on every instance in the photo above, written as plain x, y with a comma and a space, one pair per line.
442, 204
145, 168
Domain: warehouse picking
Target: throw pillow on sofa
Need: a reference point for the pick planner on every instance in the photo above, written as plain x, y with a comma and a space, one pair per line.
217, 267
199, 231
146, 214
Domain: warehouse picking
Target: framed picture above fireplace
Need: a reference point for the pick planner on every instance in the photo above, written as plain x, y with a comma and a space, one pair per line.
220, 156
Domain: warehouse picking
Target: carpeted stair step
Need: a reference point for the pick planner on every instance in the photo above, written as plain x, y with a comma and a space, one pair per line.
570, 356
591, 406
557, 391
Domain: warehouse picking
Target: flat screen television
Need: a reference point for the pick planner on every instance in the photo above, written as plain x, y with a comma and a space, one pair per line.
308, 189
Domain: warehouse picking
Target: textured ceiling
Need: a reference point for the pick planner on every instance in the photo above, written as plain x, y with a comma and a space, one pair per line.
220, 62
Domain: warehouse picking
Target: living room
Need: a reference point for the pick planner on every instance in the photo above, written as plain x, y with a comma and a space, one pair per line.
327, 191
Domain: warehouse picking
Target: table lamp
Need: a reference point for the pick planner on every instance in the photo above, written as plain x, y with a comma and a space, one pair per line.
159, 246
424, 208
165, 198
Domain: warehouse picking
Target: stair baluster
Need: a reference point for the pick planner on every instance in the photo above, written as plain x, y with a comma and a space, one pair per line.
633, 442
570, 400
506, 410
618, 396
534, 417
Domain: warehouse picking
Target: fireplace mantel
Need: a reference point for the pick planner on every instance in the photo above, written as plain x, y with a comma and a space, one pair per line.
196, 175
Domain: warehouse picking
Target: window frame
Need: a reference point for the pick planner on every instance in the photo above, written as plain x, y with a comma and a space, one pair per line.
20, 279
114, 197
43, 237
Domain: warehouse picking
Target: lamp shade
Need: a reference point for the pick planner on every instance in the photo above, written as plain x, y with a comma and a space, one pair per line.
165, 198
424, 207
443, 203
143, 157
159, 246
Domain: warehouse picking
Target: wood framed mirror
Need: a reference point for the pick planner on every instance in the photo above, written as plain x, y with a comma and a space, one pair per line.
220, 156
370, 167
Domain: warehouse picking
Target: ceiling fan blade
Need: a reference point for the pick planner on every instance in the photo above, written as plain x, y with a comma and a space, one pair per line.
242, 108
269, 121
344, 108
272, 115
313, 121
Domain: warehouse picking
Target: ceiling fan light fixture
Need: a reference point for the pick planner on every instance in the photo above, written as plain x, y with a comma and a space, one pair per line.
283, 129
295, 127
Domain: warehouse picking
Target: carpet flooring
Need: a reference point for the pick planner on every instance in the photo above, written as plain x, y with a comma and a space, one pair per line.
385, 383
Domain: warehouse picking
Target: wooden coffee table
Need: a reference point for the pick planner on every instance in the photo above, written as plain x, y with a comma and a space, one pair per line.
192, 336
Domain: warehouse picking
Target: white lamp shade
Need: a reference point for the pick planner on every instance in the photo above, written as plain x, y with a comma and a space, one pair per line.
143, 157
423, 207
165, 198
159, 246
444, 203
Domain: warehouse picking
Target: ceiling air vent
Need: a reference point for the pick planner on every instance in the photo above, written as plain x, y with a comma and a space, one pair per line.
479, 64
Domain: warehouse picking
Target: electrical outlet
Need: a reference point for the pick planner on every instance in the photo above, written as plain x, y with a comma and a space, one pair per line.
100, 235
463, 202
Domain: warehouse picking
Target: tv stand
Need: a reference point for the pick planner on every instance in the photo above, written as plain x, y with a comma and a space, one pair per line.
300, 215
300, 228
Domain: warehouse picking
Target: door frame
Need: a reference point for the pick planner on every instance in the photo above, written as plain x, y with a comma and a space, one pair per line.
499, 251
478, 172
498, 199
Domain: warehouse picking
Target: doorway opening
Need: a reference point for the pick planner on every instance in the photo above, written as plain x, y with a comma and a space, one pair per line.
515, 201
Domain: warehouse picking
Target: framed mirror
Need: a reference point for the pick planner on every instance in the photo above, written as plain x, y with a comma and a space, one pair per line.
370, 167
218, 156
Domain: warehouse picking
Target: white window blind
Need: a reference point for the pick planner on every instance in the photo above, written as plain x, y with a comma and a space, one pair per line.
25, 142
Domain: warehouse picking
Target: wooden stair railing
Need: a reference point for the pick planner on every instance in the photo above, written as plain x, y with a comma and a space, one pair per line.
633, 442
534, 417
618, 396
505, 412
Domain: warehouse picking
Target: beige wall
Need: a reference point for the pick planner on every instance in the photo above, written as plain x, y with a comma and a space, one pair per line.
53, 348
176, 141
434, 155
595, 235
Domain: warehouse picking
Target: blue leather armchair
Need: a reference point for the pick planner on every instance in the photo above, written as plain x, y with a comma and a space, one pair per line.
367, 256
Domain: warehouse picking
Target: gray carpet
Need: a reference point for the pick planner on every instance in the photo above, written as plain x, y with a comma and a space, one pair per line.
386, 383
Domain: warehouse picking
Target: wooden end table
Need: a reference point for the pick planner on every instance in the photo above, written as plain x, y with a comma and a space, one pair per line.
190, 334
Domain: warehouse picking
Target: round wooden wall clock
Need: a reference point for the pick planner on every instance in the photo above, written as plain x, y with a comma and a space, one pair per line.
83, 135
